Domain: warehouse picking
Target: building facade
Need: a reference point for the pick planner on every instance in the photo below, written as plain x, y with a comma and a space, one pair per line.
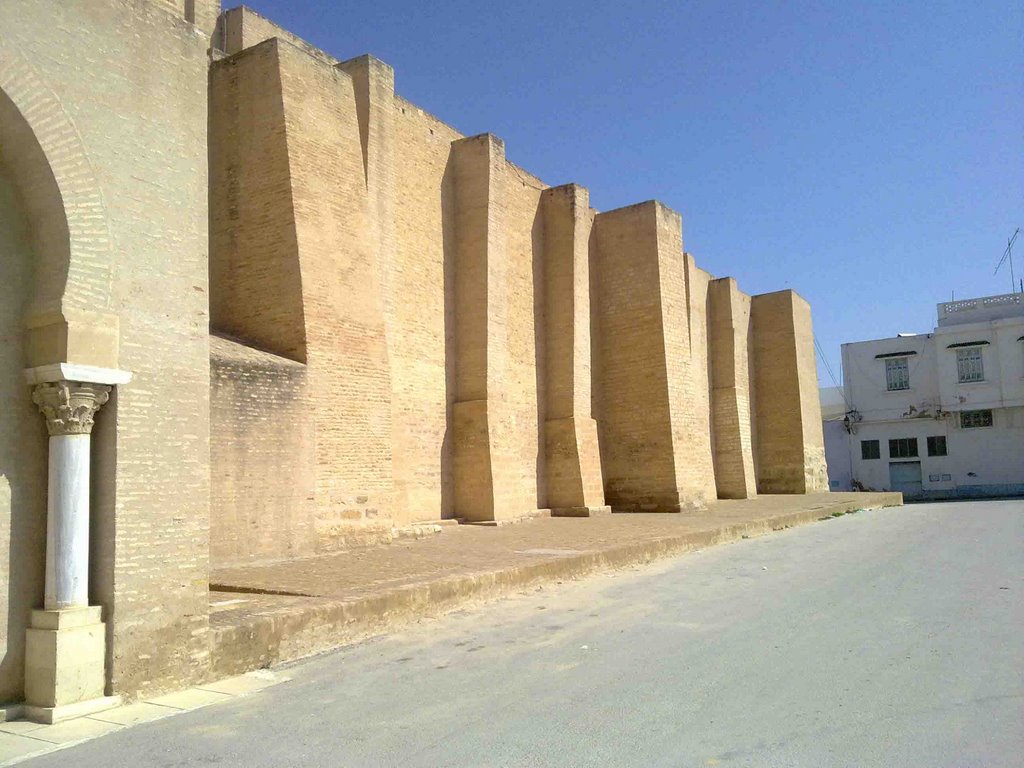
937, 415
255, 306
837, 443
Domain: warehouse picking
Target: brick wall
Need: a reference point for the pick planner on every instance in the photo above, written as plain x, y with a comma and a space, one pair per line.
728, 333
421, 315
262, 444
789, 445
202, 13
342, 293
572, 459
240, 28
311, 212
425, 311
255, 279
634, 410
459, 278
131, 79
524, 339
691, 422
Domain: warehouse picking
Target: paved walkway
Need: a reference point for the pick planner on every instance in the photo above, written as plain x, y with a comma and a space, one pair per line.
264, 614
21, 739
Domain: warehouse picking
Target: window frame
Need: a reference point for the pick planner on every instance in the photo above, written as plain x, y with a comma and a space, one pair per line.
970, 365
991, 419
910, 443
877, 450
897, 371
932, 445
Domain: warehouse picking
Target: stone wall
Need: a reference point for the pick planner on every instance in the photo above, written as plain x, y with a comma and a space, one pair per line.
129, 79
202, 13
406, 325
790, 448
732, 419
322, 260
691, 414
261, 454
652, 361
457, 344
421, 315
573, 478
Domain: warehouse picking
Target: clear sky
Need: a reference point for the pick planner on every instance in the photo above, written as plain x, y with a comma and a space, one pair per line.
868, 155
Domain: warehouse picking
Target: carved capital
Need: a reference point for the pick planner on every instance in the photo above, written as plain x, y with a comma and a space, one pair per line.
69, 406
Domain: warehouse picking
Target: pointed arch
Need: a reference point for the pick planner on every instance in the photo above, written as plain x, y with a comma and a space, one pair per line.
69, 229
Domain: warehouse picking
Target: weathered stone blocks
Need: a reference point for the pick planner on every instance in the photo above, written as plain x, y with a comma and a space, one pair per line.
65, 655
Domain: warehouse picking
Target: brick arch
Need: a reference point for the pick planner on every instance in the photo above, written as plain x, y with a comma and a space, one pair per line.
44, 154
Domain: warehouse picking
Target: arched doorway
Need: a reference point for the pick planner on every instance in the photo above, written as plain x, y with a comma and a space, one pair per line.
22, 446
54, 284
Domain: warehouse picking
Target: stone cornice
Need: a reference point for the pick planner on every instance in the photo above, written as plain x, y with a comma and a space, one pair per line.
76, 372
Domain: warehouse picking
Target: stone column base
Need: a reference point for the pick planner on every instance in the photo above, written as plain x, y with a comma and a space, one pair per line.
65, 665
527, 516
50, 715
685, 504
580, 511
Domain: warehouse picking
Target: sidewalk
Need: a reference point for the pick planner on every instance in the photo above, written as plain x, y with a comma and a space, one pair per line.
265, 614
23, 739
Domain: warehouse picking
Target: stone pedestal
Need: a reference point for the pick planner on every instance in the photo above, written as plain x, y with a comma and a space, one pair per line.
65, 657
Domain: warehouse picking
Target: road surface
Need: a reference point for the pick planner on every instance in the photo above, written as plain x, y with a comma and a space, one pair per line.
883, 638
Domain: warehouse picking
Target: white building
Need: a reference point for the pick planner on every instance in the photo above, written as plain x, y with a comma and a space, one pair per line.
837, 442
936, 415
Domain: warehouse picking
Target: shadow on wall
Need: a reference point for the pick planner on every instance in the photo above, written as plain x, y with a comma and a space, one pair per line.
537, 241
23, 442
450, 394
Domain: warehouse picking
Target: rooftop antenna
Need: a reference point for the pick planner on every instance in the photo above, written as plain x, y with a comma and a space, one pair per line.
1008, 256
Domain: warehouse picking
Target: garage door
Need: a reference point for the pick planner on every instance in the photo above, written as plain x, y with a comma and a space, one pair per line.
905, 476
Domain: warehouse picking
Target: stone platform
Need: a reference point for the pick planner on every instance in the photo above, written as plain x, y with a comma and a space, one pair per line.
266, 614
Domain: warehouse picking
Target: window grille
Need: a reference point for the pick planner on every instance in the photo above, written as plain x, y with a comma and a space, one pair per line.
972, 419
969, 366
897, 374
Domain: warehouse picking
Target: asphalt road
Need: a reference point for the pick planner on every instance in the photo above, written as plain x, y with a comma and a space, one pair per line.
884, 638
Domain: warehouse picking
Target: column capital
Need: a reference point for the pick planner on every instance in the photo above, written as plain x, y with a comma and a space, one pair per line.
69, 406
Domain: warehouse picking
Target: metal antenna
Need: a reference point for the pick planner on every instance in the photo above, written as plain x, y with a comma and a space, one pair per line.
1008, 256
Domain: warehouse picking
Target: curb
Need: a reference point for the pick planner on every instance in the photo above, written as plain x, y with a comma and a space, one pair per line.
321, 624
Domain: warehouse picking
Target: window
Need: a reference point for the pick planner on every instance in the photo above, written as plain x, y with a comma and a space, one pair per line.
937, 446
968, 365
869, 449
971, 419
903, 448
897, 376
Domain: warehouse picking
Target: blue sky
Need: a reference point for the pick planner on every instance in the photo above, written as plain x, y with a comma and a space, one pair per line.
868, 155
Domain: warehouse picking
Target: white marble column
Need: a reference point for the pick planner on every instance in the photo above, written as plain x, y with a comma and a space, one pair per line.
69, 408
